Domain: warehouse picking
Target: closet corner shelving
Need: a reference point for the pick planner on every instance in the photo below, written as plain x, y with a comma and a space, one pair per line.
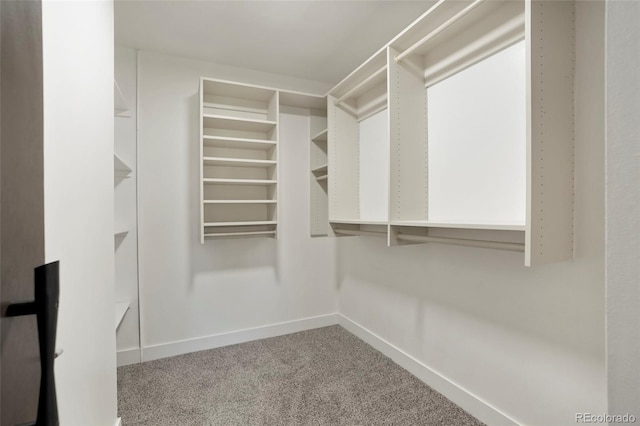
456, 38
238, 160
120, 171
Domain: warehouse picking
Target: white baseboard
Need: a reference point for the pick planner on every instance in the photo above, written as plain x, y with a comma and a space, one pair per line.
128, 357
234, 337
118, 422
460, 396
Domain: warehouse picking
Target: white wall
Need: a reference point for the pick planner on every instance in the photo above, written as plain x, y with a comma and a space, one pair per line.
623, 207
529, 342
191, 292
78, 175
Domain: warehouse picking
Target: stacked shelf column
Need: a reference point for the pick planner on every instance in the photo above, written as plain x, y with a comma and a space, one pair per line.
239, 160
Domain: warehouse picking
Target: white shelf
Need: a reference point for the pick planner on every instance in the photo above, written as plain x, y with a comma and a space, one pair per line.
221, 181
120, 233
322, 178
239, 234
120, 107
320, 169
458, 225
120, 168
223, 122
357, 222
320, 137
120, 311
238, 143
237, 162
240, 202
252, 223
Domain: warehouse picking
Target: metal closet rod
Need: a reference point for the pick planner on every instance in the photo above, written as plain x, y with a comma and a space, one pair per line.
424, 40
462, 242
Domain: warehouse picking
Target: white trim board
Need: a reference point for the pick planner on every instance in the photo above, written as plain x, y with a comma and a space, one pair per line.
234, 337
128, 357
454, 392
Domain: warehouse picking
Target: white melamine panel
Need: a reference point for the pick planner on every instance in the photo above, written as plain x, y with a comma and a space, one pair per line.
550, 201
78, 108
408, 143
477, 142
374, 165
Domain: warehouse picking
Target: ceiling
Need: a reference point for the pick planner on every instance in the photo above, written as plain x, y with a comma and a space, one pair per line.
314, 40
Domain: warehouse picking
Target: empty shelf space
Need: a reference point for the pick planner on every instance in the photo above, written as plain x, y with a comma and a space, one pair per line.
238, 143
237, 123
459, 225
120, 168
321, 169
251, 223
237, 162
240, 202
320, 137
221, 181
120, 311
120, 233
239, 234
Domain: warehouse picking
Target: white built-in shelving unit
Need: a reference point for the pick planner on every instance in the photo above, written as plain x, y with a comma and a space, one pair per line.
239, 138
460, 131
239, 160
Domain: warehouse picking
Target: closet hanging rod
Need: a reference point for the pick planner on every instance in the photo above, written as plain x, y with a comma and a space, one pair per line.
359, 232
462, 242
424, 40
355, 88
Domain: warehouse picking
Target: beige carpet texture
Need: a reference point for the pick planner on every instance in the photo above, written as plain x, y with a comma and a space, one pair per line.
325, 376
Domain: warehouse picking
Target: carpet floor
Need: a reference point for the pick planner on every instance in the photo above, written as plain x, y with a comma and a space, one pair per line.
325, 376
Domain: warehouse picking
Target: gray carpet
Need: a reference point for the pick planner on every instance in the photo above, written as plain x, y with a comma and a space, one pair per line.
318, 377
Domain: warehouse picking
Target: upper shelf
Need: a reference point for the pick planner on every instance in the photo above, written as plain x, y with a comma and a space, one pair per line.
362, 76
120, 168
228, 89
454, 35
303, 100
235, 123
